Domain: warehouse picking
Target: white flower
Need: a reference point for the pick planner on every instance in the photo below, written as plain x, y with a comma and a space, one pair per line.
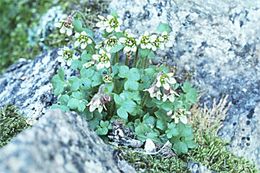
102, 59
162, 87
99, 100
165, 80
166, 40
179, 116
110, 42
130, 43
154, 92
170, 95
82, 40
67, 55
145, 41
109, 23
65, 26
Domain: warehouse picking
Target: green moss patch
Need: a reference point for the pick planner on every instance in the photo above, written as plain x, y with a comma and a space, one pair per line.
11, 123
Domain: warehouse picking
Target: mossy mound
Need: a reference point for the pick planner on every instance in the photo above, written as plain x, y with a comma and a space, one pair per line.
11, 123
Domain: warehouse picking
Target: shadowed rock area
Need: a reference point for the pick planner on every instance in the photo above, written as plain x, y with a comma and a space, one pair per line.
60, 143
219, 44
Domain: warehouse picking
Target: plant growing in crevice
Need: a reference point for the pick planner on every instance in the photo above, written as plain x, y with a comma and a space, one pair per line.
116, 81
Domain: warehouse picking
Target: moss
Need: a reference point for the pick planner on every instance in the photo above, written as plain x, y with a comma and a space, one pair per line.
21, 15
153, 163
11, 123
17, 17
211, 152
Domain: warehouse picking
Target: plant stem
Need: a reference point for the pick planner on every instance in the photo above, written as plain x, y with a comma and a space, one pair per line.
136, 57
117, 58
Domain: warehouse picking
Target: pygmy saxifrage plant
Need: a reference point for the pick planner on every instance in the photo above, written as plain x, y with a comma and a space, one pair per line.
115, 81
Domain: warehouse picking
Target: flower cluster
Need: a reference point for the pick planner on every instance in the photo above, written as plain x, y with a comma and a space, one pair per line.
102, 59
99, 101
66, 54
109, 23
129, 42
108, 43
65, 25
162, 87
146, 41
82, 40
179, 116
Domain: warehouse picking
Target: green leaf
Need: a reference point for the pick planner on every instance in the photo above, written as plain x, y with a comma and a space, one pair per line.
77, 95
87, 72
61, 74
76, 64
85, 56
180, 147
116, 48
149, 120
61, 107
122, 113
161, 124
131, 85
118, 99
129, 106
77, 25
73, 103
96, 79
101, 131
81, 106
171, 131
75, 83
64, 99
162, 27
134, 74
191, 144
123, 71
86, 83
185, 130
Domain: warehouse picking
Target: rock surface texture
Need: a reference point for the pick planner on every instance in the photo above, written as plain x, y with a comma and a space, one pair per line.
60, 143
26, 84
219, 43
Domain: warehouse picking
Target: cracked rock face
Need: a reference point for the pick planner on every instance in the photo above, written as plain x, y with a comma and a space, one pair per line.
219, 43
60, 143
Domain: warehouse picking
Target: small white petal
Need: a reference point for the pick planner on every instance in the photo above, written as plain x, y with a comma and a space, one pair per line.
69, 32
166, 86
83, 45
183, 119
77, 43
62, 30
77, 35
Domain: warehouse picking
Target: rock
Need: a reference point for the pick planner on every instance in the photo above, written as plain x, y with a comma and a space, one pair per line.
198, 168
26, 84
58, 142
219, 43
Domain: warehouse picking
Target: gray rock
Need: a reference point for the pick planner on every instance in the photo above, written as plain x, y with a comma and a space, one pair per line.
198, 168
219, 43
26, 84
60, 143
